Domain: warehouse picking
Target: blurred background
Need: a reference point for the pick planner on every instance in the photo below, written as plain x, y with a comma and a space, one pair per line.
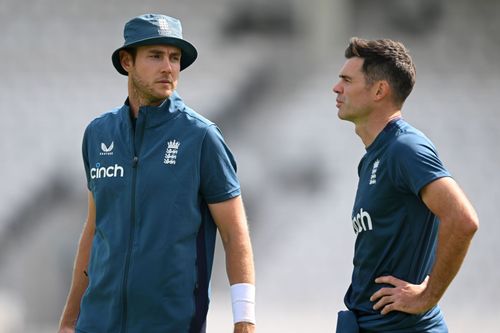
264, 74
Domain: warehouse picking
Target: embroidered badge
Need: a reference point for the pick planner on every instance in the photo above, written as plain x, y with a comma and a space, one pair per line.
373, 177
164, 27
170, 157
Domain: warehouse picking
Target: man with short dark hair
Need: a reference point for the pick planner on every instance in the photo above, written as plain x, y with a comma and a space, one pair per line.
161, 182
413, 223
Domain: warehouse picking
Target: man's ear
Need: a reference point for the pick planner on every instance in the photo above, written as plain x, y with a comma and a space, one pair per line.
382, 89
126, 60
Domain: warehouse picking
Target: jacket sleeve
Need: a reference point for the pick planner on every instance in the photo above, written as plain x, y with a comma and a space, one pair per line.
218, 179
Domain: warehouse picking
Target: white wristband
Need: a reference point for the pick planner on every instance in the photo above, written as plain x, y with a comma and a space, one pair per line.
243, 300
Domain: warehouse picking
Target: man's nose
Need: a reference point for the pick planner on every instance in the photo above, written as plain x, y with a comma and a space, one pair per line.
337, 88
167, 65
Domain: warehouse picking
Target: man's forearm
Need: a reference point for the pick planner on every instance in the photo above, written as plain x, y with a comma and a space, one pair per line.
453, 243
458, 223
241, 275
72, 307
230, 218
79, 281
239, 261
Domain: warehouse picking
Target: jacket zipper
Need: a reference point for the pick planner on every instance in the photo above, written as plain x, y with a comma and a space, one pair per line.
136, 146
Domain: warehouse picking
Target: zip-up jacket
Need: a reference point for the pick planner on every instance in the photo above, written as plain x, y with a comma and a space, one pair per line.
153, 246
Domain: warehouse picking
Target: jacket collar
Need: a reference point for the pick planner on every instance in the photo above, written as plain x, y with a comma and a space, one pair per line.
157, 115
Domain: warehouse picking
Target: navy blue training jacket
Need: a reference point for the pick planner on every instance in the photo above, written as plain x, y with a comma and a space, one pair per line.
153, 247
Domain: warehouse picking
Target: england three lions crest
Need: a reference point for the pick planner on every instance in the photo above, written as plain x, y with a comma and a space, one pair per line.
170, 157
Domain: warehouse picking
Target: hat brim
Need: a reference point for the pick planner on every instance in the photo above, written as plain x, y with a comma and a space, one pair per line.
189, 53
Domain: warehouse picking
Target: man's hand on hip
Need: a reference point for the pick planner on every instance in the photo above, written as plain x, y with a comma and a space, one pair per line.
403, 296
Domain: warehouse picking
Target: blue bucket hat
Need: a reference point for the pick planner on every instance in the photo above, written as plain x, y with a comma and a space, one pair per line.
154, 29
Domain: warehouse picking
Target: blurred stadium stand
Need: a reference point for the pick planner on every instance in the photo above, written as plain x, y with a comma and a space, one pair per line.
264, 74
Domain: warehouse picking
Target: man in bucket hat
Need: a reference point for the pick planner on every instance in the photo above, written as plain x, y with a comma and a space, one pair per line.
161, 182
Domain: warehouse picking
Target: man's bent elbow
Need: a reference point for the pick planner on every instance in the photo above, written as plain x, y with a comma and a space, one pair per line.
470, 225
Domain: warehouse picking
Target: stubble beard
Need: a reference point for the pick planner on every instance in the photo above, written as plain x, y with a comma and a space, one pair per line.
145, 93
342, 114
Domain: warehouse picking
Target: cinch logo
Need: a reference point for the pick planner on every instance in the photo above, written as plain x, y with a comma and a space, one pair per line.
362, 222
106, 172
107, 150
